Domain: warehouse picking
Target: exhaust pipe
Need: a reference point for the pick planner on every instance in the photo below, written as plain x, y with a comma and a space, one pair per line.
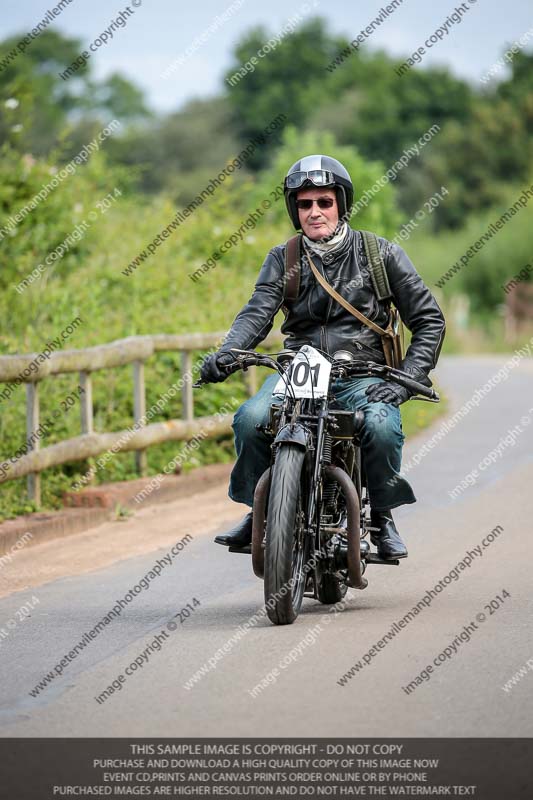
357, 581
258, 523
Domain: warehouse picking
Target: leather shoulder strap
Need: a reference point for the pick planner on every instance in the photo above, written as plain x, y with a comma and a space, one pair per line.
376, 265
340, 299
293, 252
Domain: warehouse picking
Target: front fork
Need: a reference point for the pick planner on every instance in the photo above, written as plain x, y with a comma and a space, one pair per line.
315, 495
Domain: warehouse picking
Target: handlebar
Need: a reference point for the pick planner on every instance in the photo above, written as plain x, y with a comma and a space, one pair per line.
404, 379
243, 360
249, 358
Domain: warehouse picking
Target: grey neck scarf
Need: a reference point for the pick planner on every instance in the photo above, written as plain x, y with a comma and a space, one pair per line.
333, 244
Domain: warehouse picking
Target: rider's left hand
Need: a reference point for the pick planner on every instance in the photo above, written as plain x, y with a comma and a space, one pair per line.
387, 393
212, 369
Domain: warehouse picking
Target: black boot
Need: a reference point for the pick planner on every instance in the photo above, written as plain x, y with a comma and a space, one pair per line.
387, 539
239, 536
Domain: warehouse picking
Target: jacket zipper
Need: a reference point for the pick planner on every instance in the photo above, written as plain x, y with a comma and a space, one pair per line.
361, 346
326, 348
323, 332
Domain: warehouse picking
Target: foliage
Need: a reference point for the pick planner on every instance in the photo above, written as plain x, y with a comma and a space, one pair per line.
485, 139
287, 82
44, 99
418, 415
54, 217
482, 279
362, 102
48, 107
181, 152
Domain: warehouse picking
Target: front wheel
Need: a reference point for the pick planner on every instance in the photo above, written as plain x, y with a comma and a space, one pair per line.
286, 542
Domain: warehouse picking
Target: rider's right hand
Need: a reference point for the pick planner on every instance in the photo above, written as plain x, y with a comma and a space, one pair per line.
212, 369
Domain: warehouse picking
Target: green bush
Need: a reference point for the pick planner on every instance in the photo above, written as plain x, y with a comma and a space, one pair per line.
483, 277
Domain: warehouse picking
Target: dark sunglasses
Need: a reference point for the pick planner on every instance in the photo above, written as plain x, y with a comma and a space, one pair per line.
322, 202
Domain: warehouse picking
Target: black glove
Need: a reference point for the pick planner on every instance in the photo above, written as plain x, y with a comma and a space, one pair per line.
385, 392
212, 369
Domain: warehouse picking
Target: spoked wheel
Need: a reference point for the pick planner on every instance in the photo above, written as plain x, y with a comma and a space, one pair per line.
286, 543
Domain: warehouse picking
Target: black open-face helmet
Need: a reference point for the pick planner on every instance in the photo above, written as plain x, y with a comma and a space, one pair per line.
315, 172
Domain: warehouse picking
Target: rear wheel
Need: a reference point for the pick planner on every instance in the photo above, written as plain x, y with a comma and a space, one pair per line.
286, 543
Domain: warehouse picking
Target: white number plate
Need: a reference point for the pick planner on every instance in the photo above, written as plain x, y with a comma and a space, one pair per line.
308, 374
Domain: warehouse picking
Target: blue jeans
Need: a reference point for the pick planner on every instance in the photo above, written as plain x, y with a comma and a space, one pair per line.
381, 441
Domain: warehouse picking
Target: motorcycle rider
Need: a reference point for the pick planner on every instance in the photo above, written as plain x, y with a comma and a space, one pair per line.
319, 198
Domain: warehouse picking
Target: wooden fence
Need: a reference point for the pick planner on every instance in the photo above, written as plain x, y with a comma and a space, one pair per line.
518, 310
134, 350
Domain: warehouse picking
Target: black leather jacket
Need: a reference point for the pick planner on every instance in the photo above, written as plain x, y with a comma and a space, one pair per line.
317, 319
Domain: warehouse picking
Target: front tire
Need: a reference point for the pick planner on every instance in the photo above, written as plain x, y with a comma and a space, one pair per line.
286, 543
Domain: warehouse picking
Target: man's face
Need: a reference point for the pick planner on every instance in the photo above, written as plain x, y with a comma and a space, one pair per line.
316, 222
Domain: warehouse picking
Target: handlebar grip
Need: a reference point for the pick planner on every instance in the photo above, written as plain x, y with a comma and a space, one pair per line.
227, 367
400, 377
419, 388
245, 362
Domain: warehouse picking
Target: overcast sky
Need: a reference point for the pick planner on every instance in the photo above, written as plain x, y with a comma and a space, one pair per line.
159, 31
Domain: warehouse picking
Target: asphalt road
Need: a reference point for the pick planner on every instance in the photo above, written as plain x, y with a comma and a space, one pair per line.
461, 696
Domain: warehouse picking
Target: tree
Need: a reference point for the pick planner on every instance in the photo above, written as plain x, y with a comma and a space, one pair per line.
361, 101
289, 80
118, 96
43, 109
180, 152
44, 99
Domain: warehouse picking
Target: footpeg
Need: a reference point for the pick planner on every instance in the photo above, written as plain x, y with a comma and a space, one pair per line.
247, 549
373, 558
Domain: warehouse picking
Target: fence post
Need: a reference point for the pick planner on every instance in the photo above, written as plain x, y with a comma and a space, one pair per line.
250, 379
139, 411
86, 416
32, 424
186, 392
86, 402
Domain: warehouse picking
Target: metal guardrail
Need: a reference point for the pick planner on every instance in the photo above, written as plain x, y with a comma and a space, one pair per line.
134, 350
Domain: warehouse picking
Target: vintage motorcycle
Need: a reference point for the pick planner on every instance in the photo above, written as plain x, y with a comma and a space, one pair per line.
311, 512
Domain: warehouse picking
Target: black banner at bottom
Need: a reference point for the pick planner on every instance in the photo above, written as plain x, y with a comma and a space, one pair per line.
486, 769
